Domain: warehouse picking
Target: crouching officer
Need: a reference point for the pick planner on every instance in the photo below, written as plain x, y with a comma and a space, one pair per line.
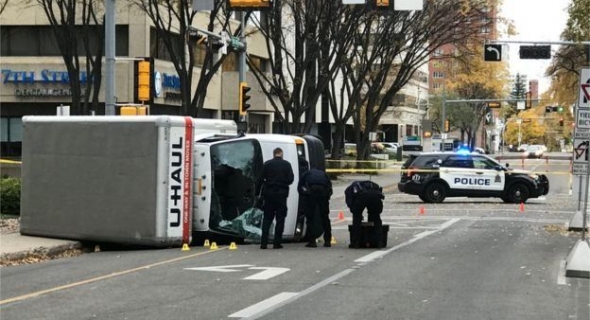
315, 189
360, 195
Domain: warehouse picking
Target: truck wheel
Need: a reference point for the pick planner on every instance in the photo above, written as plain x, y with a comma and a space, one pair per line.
435, 193
518, 193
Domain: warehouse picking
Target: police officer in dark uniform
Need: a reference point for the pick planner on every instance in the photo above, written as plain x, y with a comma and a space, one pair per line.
360, 195
277, 176
315, 189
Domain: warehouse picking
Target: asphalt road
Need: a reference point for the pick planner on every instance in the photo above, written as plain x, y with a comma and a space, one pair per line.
462, 259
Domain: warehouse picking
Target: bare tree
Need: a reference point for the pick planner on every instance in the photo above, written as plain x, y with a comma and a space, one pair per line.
73, 39
172, 20
392, 47
3, 4
306, 40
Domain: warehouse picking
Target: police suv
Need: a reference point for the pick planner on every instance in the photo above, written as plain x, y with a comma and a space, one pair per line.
437, 175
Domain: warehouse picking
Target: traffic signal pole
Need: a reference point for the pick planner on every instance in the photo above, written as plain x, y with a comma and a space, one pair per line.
109, 43
242, 64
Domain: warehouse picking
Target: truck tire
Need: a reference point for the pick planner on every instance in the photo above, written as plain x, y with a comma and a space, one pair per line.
435, 192
518, 193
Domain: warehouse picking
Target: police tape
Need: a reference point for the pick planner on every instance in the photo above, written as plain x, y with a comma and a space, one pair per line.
393, 170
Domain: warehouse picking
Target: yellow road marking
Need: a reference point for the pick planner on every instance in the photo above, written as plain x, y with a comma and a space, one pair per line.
108, 276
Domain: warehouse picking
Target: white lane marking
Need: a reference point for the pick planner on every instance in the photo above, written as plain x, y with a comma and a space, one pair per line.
390, 227
268, 273
342, 274
371, 256
222, 268
378, 254
262, 305
561, 280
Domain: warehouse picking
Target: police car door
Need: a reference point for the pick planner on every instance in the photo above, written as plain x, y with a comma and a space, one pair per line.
457, 171
487, 169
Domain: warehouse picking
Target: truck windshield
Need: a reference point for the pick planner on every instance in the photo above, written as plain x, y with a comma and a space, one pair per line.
236, 167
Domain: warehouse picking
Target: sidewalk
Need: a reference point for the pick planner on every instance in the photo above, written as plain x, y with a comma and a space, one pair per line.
14, 246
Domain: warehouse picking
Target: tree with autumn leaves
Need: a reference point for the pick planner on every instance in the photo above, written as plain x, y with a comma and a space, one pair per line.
471, 78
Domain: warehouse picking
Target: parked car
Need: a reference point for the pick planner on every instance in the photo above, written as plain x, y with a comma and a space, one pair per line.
350, 149
522, 147
479, 150
533, 151
390, 147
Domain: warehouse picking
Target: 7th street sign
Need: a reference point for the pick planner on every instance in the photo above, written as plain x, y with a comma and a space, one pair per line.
492, 52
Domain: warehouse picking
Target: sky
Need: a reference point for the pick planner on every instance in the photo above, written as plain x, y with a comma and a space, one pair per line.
534, 20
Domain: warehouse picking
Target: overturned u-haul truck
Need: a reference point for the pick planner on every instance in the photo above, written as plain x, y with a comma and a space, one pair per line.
150, 180
111, 178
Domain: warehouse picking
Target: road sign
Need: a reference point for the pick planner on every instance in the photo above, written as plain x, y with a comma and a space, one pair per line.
582, 134
580, 169
492, 52
584, 96
583, 119
580, 151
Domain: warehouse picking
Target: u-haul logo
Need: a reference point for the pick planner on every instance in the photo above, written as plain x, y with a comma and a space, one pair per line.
175, 193
179, 181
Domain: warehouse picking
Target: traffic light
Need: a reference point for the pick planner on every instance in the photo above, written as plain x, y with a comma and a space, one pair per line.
382, 4
143, 80
535, 52
447, 125
558, 109
244, 97
219, 45
548, 109
249, 4
561, 122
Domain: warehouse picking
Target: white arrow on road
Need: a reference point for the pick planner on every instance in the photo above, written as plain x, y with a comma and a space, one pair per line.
267, 273
222, 268
490, 49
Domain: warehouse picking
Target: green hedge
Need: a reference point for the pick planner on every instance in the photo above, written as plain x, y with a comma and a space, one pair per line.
10, 196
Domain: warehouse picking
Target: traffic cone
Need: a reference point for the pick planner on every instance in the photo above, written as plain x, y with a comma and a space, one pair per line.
341, 215
206, 244
232, 246
333, 241
185, 247
213, 246
422, 210
521, 207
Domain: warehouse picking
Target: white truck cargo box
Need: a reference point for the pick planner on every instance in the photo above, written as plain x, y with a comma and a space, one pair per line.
114, 179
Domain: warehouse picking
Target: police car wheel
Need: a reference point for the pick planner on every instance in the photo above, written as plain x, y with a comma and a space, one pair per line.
518, 193
422, 198
435, 193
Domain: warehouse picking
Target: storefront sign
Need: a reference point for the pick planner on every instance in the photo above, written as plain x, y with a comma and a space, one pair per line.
45, 76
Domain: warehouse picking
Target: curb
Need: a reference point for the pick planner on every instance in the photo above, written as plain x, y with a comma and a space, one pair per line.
44, 252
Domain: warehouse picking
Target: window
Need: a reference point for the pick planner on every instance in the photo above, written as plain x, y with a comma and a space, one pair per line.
236, 167
484, 29
11, 136
40, 41
158, 48
438, 74
484, 163
458, 162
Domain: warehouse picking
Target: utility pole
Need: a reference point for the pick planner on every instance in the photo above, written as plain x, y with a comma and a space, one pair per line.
109, 44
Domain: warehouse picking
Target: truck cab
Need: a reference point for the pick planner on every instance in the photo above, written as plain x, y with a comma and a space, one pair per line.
227, 169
